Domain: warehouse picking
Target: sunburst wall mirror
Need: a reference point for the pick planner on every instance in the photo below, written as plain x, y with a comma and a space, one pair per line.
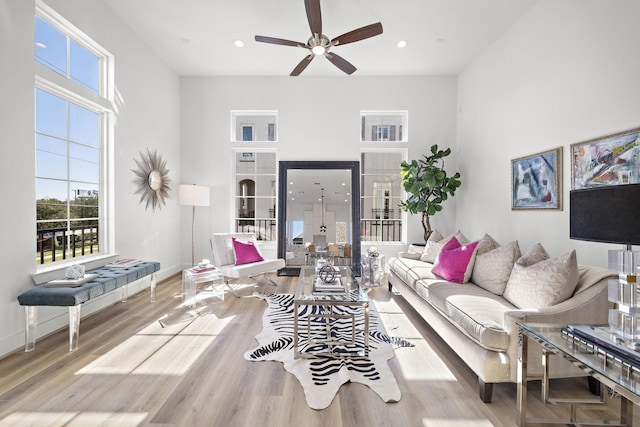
152, 179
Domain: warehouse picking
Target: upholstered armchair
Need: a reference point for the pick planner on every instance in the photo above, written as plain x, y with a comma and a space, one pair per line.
238, 255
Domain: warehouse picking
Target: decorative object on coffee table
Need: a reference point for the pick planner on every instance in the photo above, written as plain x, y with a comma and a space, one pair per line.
152, 179
321, 377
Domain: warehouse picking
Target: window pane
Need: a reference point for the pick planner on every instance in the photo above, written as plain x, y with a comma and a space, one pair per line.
84, 126
51, 157
51, 189
51, 114
80, 170
84, 67
85, 200
266, 163
51, 47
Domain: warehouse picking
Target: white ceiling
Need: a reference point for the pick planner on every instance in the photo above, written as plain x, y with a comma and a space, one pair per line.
196, 37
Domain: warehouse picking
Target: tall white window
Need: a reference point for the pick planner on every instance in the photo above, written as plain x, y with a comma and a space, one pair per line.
381, 220
255, 193
71, 133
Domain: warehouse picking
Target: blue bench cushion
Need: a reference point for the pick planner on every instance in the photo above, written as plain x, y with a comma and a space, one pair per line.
108, 279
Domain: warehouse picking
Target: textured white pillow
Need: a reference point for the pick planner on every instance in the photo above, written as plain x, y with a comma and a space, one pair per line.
486, 244
542, 284
493, 268
433, 248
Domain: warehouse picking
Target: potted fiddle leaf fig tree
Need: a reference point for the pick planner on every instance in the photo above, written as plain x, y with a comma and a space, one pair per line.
427, 185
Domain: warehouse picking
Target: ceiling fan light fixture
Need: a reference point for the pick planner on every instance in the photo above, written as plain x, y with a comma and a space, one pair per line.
318, 50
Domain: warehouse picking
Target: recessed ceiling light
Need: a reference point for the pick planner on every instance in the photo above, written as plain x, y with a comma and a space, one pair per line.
238, 43
402, 43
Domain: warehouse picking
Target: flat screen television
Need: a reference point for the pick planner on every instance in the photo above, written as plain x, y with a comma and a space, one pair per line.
608, 214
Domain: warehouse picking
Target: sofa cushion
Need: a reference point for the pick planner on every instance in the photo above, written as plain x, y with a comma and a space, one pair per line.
455, 261
475, 311
411, 270
486, 244
492, 269
433, 247
542, 284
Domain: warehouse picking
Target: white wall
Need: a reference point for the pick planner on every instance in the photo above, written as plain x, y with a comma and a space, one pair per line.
566, 72
318, 119
148, 116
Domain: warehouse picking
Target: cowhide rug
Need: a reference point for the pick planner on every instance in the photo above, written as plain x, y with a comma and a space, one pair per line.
322, 377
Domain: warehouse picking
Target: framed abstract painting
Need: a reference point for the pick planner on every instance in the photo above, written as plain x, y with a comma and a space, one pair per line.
608, 160
536, 181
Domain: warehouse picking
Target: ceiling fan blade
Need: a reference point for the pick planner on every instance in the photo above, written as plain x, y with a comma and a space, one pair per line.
314, 16
341, 63
274, 40
359, 34
302, 65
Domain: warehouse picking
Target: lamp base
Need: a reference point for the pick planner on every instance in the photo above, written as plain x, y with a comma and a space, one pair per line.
625, 319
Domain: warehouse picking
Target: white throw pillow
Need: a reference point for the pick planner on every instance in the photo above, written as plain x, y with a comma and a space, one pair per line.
544, 283
493, 268
433, 248
486, 244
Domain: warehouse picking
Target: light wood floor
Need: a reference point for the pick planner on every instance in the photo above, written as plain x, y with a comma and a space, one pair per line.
143, 364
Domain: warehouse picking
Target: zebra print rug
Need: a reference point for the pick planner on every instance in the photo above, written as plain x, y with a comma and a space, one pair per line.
321, 377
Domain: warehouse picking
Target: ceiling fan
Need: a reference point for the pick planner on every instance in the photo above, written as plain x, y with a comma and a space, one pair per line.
319, 44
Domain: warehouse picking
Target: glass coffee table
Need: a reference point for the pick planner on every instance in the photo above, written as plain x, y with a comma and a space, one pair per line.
329, 323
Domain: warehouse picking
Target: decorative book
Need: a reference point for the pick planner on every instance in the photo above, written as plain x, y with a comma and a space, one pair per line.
606, 340
70, 282
124, 263
199, 270
324, 287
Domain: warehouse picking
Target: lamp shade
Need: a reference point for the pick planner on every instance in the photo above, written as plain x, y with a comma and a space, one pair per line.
608, 214
193, 195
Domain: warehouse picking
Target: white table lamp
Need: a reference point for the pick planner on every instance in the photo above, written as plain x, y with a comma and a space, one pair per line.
193, 195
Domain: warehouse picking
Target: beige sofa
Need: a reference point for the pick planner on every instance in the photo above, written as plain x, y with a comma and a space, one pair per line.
481, 325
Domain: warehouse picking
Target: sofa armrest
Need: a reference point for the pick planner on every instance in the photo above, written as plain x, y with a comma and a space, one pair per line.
409, 255
590, 306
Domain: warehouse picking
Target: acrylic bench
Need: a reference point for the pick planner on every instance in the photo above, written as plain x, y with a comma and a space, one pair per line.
109, 279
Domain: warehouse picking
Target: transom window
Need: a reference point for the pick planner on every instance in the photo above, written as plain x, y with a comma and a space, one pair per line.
383, 126
59, 52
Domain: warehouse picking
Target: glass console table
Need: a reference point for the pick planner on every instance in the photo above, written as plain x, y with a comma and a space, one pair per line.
620, 377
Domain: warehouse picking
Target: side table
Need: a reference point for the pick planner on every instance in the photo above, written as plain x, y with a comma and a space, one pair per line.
372, 270
193, 276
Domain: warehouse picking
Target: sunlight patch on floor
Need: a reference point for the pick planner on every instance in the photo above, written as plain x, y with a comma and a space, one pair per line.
74, 419
453, 422
412, 360
165, 349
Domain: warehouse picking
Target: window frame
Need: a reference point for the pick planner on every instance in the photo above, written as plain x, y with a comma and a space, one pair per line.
402, 131
56, 84
403, 152
236, 196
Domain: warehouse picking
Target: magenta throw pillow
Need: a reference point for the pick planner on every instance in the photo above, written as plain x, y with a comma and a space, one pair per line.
455, 261
246, 252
